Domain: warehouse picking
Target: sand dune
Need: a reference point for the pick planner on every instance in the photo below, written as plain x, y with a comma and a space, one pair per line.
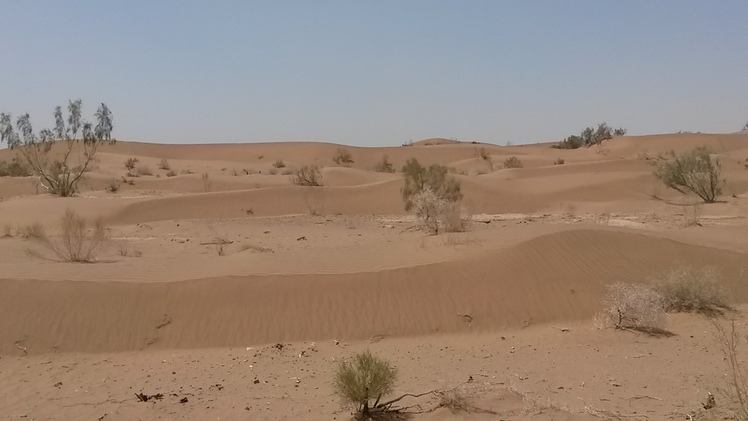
553, 278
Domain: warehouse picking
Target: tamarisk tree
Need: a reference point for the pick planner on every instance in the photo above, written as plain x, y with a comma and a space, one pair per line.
59, 170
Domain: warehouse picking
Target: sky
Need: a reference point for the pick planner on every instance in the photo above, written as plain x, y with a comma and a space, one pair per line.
378, 73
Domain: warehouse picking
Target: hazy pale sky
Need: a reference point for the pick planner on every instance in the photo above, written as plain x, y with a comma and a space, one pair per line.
378, 72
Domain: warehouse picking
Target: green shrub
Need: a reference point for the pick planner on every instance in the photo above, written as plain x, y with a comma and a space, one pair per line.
694, 172
435, 177
362, 379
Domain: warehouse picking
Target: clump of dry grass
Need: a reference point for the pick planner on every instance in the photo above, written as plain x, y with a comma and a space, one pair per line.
80, 241
688, 289
512, 162
307, 176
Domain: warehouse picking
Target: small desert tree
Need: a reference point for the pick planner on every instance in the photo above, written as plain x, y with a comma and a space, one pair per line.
307, 176
362, 379
435, 177
80, 242
694, 172
58, 175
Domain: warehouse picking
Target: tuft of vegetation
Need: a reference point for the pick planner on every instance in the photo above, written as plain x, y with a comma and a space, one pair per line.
439, 215
307, 176
343, 157
694, 172
362, 381
279, 164
171, 173
512, 162
590, 137
113, 185
435, 178
736, 392
558, 161
59, 176
130, 166
143, 170
81, 240
207, 184
164, 164
633, 307
384, 165
687, 289
15, 168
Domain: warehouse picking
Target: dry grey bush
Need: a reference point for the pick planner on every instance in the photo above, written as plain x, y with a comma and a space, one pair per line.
143, 170
307, 176
362, 379
512, 162
633, 306
438, 214
164, 164
689, 289
343, 156
80, 241
736, 392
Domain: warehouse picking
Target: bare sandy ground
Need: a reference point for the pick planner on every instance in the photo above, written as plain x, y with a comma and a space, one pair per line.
239, 291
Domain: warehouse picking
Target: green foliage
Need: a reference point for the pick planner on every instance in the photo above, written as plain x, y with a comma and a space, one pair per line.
590, 136
694, 172
58, 175
362, 379
435, 177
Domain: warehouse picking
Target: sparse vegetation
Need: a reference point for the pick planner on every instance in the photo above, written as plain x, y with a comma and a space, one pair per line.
694, 172
558, 161
207, 184
736, 392
113, 186
419, 178
81, 240
307, 176
57, 175
590, 137
633, 307
512, 162
171, 173
164, 164
143, 170
384, 165
363, 379
439, 215
15, 168
343, 156
130, 166
687, 289
279, 164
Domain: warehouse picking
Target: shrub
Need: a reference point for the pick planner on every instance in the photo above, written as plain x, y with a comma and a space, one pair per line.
362, 379
164, 164
171, 173
439, 215
483, 154
384, 165
694, 172
558, 161
113, 186
687, 289
633, 306
307, 176
32, 231
619, 132
130, 165
79, 243
16, 168
590, 137
207, 184
512, 162
434, 177
736, 392
273, 171
343, 156
571, 142
279, 164
144, 170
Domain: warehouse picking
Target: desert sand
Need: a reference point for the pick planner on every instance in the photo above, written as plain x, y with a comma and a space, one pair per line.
235, 294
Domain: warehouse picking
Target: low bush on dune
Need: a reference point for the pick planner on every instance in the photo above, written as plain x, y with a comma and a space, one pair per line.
343, 157
435, 197
307, 176
438, 214
512, 162
590, 137
164, 164
687, 289
384, 165
80, 242
130, 166
632, 307
279, 164
15, 168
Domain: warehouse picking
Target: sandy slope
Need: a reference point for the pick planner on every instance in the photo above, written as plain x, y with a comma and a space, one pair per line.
345, 262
